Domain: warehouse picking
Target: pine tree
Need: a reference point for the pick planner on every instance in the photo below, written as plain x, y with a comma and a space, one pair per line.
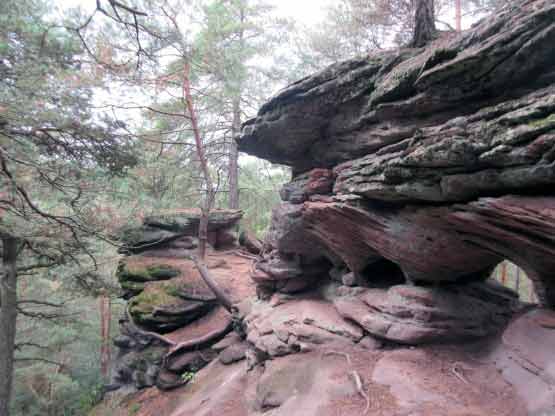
49, 142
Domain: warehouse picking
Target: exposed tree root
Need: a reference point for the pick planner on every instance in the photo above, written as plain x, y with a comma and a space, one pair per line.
360, 389
140, 331
223, 298
200, 341
355, 376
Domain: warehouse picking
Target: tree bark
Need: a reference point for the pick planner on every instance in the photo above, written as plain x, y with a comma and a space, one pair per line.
8, 318
224, 300
424, 23
236, 129
209, 197
234, 156
105, 307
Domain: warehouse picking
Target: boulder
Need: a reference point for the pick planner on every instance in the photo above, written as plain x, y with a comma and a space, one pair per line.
233, 353
418, 315
298, 325
164, 308
191, 361
178, 229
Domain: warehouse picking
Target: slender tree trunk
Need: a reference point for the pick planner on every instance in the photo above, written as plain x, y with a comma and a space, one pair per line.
209, 197
458, 15
234, 156
8, 318
236, 129
105, 307
424, 23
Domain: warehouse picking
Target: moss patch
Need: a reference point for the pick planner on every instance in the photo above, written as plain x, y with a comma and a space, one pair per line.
143, 305
546, 122
130, 272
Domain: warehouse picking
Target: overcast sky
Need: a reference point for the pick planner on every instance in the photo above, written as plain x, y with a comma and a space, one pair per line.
305, 11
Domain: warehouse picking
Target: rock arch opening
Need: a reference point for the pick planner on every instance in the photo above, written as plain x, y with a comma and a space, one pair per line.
513, 277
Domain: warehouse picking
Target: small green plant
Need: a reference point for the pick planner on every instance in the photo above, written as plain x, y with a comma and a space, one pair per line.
134, 409
188, 376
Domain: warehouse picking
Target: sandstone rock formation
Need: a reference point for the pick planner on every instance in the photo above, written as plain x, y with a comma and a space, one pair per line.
174, 232
415, 172
172, 318
439, 160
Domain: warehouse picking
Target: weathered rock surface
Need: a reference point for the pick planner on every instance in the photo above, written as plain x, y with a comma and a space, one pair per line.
415, 172
441, 159
358, 107
525, 359
303, 186
177, 230
173, 306
418, 315
250, 242
433, 380
299, 324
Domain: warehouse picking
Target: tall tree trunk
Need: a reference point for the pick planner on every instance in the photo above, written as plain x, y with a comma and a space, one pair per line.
209, 195
424, 23
458, 15
234, 156
8, 318
236, 127
105, 307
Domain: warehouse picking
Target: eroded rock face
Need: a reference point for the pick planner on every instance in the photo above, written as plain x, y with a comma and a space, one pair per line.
400, 98
168, 301
414, 173
418, 315
175, 232
439, 160
298, 324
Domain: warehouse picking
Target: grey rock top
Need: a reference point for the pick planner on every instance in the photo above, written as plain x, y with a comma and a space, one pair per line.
470, 115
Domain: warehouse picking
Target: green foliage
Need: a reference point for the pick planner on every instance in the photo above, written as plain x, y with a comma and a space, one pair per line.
259, 184
188, 376
69, 382
134, 409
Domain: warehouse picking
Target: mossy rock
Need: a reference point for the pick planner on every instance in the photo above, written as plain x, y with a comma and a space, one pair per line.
129, 272
134, 288
144, 237
160, 309
186, 221
143, 305
544, 123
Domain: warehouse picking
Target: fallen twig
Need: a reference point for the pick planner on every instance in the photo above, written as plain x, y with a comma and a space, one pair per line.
360, 389
245, 255
455, 371
356, 378
344, 354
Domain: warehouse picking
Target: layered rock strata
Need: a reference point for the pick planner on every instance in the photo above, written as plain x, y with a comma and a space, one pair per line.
438, 160
172, 318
